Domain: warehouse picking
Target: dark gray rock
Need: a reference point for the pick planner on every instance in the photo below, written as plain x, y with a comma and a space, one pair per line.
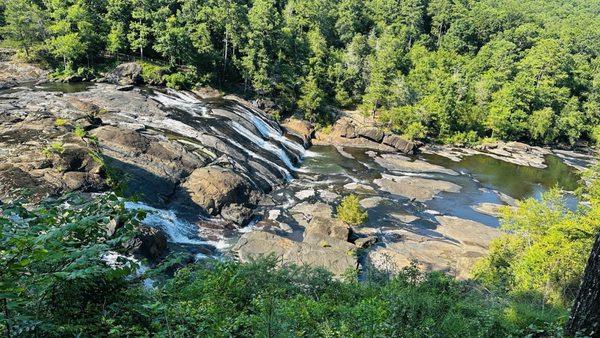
126, 74
151, 243
402, 145
125, 88
347, 129
371, 133
237, 213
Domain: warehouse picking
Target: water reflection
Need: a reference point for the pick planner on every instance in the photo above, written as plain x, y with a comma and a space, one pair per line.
512, 179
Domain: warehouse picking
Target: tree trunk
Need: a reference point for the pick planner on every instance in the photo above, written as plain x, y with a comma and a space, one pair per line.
585, 314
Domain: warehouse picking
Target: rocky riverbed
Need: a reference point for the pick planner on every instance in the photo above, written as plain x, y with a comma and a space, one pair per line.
220, 178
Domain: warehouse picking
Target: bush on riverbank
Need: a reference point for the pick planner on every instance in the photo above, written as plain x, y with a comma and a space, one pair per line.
62, 276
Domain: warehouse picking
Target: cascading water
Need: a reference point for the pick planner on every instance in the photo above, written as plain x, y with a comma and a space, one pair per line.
220, 127
228, 127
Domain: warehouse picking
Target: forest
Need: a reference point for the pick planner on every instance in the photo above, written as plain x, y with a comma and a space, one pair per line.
454, 71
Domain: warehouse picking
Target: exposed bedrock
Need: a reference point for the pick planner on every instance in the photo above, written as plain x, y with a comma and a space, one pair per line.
347, 133
169, 149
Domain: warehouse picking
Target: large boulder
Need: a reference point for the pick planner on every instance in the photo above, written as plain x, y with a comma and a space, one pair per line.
129, 73
150, 243
327, 231
214, 187
402, 145
13, 73
371, 133
152, 165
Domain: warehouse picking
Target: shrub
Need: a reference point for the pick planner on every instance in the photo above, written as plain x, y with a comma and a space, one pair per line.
56, 282
544, 251
79, 131
59, 122
415, 131
152, 73
181, 80
350, 211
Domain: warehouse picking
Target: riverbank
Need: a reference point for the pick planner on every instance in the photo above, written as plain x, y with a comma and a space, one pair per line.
219, 177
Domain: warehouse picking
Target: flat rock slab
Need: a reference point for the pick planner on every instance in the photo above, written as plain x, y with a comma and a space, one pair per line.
415, 188
403, 163
490, 209
453, 247
405, 218
258, 244
371, 202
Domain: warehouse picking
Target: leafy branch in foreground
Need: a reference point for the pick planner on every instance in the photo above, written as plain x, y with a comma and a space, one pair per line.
62, 257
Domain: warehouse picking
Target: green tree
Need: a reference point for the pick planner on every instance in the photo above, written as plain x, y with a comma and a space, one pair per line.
140, 28
545, 247
383, 65
24, 24
260, 53
73, 28
117, 18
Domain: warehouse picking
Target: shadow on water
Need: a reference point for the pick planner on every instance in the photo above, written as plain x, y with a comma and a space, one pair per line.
73, 87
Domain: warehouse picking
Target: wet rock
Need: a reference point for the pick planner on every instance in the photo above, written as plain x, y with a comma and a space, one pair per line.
580, 160
371, 133
304, 194
126, 74
467, 232
237, 214
402, 145
151, 243
309, 210
371, 202
358, 186
327, 231
415, 188
453, 247
517, 153
344, 153
14, 73
404, 218
365, 242
401, 163
346, 129
125, 88
490, 209
152, 165
328, 196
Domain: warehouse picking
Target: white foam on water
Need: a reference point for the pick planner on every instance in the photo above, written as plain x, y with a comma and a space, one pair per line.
179, 231
262, 143
254, 155
268, 131
175, 99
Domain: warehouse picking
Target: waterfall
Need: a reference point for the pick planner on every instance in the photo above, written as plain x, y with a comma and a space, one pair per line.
240, 132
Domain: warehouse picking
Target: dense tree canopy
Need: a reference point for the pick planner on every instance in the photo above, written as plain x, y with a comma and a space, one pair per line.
455, 70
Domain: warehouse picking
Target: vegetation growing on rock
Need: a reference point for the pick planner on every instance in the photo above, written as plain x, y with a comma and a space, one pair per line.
350, 211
